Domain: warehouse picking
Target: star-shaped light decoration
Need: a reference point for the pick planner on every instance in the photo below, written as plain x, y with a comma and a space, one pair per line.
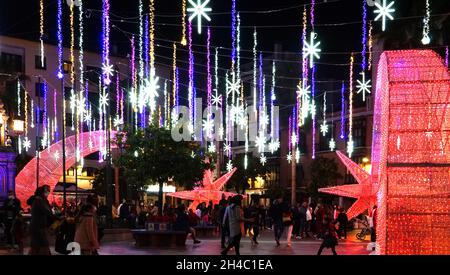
312, 108
260, 141
289, 157
209, 191
229, 165
274, 145
303, 91
227, 148
311, 49
363, 86
199, 10
324, 128
294, 139
234, 85
332, 144
118, 121
365, 191
384, 12
208, 126
216, 100
212, 148
103, 100
263, 160
221, 132
151, 89
26, 144
107, 70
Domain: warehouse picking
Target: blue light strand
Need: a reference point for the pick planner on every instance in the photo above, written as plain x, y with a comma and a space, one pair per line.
364, 37
342, 136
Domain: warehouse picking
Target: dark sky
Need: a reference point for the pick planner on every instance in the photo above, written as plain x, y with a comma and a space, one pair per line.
337, 41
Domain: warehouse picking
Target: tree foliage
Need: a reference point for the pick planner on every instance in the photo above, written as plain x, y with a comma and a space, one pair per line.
324, 173
239, 180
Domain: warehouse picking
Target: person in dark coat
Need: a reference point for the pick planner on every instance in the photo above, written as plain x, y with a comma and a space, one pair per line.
330, 239
11, 208
224, 230
342, 220
182, 223
41, 218
276, 213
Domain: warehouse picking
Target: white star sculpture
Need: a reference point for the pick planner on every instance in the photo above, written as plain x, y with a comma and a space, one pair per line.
229, 166
208, 126
332, 145
363, 86
26, 144
324, 128
117, 121
199, 10
311, 49
383, 12
312, 108
303, 92
103, 100
107, 70
226, 148
151, 89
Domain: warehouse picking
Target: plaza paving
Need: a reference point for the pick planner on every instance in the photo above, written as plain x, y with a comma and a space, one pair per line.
123, 244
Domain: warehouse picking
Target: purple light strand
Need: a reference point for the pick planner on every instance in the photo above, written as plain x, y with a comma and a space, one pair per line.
233, 31
59, 35
146, 46
290, 134
342, 136
117, 95
261, 88
44, 116
209, 84
55, 112
313, 89
446, 56
191, 75
364, 37
105, 50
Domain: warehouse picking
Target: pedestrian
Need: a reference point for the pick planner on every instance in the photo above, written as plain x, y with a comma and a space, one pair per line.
287, 222
182, 223
342, 220
254, 224
18, 231
276, 213
373, 233
86, 231
66, 233
296, 221
224, 226
302, 217
329, 237
11, 209
235, 217
319, 212
309, 219
41, 219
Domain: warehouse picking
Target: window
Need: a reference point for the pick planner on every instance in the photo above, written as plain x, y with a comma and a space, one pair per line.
38, 62
11, 63
67, 67
39, 89
359, 132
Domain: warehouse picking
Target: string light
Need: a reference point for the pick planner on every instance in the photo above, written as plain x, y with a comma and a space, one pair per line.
364, 37
324, 126
32, 113
238, 46
174, 76
152, 34
350, 144
209, 77
384, 11
370, 46
107, 67
363, 86
233, 34
41, 31
18, 97
426, 25
191, 76
446, 56
199, 10
183, 23
312, 49
255, 64
216, 99
342, 136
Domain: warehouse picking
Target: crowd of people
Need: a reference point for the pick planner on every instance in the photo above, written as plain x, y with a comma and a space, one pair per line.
84, 223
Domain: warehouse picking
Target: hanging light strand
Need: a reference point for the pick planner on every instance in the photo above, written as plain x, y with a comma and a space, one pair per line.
183, 23
152, 34
426, 24
208, 68
342, 136
191, 75
41, 31
364, 37
350, 118
369, 65
255, 64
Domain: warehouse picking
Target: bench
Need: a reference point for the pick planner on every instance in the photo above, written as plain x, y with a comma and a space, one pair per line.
145, 238
208, 230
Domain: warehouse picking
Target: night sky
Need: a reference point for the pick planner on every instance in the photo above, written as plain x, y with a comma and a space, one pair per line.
337, 41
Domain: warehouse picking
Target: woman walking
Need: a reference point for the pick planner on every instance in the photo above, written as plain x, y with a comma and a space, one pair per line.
41, 218
330, 239
87, 232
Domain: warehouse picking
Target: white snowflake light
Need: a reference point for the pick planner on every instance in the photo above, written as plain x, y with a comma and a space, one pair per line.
212, 148
234, 85
118, 121
216, 100
332, 145
229, 166
208, 125
312, 108
289, 157
260, 142
363, 86
107, 70
294, 139
245, 162
151, 90
103, 100
303, 92
226, 148
311, 49
263, 160
274, 145
324, 128
426, 25
26, 144
384, 12
199, 10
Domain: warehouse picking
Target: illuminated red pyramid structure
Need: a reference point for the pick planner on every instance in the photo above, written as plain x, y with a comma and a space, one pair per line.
410, 155
210, 191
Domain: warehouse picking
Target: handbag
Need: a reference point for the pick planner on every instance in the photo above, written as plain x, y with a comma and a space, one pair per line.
287, 218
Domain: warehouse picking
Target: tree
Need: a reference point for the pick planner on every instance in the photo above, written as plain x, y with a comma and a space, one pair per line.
239, 180
324, 173
151, 155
